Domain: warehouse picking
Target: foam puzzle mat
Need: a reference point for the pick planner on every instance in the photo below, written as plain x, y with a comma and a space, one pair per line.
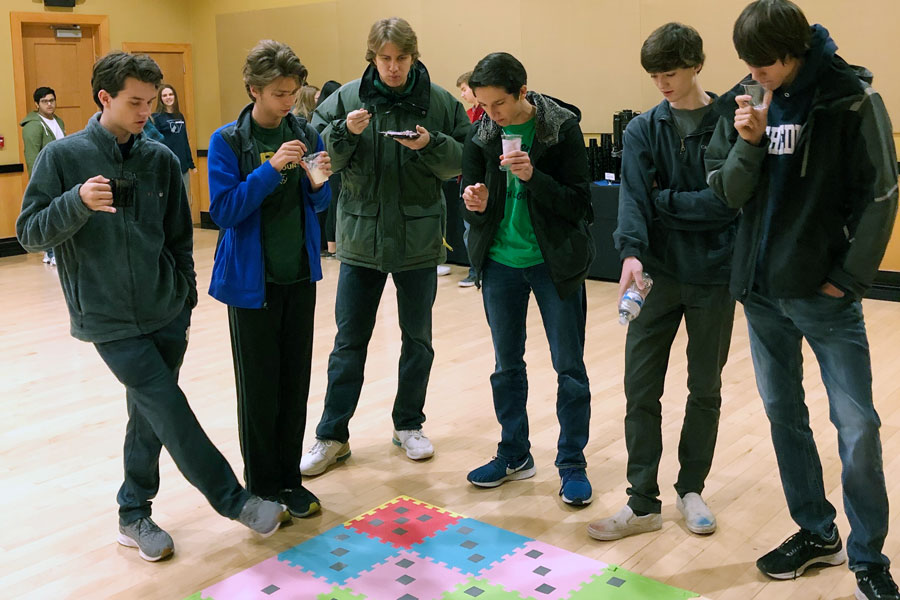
409, 550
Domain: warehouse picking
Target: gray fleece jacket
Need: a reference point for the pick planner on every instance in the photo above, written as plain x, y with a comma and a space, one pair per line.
122, 274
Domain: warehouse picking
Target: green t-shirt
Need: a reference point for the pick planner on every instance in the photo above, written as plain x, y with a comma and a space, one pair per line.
515, 244
282, 212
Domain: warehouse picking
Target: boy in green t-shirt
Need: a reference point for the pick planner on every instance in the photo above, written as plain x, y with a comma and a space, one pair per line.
529, 211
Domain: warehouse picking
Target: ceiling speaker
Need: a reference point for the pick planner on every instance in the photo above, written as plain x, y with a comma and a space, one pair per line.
63, 3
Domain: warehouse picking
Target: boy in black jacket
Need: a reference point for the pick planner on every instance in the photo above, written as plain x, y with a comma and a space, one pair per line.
815, 171
672, 225
529, 211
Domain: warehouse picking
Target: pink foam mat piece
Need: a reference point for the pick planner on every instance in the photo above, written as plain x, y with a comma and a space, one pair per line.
406, 573
269, 579
543, 571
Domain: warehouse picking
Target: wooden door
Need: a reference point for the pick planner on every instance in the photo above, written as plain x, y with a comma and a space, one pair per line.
175, 62
64, 64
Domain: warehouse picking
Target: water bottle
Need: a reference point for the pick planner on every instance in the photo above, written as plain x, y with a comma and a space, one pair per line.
633, 300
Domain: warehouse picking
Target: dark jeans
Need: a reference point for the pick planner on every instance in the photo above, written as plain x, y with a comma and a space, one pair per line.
708, 312
506, 291
272, 351
358, 294
159, 415
836, 333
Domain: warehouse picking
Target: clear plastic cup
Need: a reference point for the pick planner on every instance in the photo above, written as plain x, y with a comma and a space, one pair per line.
511, 142
756, 91
314, 163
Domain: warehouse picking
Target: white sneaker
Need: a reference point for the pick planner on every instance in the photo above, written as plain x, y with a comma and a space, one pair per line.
415, 443
697, 516
622, 524
46, 259
322, 455
53, 261
443, 270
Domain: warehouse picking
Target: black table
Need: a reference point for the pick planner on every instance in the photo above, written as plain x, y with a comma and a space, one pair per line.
604, 199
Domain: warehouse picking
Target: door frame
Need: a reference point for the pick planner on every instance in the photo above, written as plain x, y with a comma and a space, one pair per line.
186, 105
16, 22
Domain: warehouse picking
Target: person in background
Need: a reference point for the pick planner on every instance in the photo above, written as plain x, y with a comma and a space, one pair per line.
390, 222
530, 210
327, 223
306, 102
170, 122
40, 127
814, 169
475, 111
266, 267
114, 207
674, 227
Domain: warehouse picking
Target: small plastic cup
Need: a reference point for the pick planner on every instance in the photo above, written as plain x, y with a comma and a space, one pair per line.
756, 91
511, 142
316, 173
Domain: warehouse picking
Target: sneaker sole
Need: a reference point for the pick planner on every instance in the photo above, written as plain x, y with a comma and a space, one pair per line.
523, 474
314, 507
577, 501
323, 468
408, 455
830, 560
466, 284
126, 541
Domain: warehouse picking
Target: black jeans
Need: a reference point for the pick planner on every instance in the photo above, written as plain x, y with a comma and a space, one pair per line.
358, 295
272, 351
708, 312
159, 415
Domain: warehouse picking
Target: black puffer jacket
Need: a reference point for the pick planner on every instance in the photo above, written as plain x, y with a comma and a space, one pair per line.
559, 197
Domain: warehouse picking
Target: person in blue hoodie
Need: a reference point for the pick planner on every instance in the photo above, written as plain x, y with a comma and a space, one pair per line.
112, 204
266, 267
814, 171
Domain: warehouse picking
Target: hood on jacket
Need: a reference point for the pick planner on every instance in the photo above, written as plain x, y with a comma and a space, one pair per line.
549, 118
35, 116
415, 100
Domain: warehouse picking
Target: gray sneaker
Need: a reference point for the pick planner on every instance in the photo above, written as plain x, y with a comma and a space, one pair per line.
263, 516
153, 543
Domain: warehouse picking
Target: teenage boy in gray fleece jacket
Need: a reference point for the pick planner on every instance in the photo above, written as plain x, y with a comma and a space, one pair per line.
113, 204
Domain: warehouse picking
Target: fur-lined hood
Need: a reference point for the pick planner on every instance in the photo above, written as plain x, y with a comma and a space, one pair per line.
550, 116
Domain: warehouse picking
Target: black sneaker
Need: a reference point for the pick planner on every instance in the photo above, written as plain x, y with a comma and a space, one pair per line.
876, 584
801, 551
300, 502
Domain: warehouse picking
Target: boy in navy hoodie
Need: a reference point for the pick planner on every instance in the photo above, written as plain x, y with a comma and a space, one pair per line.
113, 205
815, 171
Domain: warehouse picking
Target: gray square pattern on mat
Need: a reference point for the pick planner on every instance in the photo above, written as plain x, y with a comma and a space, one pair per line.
401, 520
469, 544
423, 518
616, 581
401, 509
405, 579
338, 566
542, 571
376, 522
399, 531
340, 551
270, 589
534, 554
474, 591
405, 563
476, 558
544, 588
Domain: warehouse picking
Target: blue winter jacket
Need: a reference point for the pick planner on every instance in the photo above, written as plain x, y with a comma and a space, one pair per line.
238, 185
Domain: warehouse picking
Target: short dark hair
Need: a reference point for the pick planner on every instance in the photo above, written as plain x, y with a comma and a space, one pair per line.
268, 61
41, 92
771, 30
499, 69
328, 88
672, 46
464, 78
111, 71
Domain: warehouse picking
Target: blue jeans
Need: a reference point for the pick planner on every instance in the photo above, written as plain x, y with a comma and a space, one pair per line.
159, 415
506, 291
358, 295
836, 332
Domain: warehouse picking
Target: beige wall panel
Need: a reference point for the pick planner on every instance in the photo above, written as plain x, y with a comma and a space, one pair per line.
308, 29
11, 191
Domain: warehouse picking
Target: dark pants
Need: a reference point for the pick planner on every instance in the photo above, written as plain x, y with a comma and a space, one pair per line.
272, 351
708, 312
159, 415
358, 295
836, 332
506, 291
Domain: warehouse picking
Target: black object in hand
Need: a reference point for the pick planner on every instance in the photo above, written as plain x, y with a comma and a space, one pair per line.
122, 191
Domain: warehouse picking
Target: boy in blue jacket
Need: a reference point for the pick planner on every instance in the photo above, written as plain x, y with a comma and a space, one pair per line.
112, 204
266, 266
